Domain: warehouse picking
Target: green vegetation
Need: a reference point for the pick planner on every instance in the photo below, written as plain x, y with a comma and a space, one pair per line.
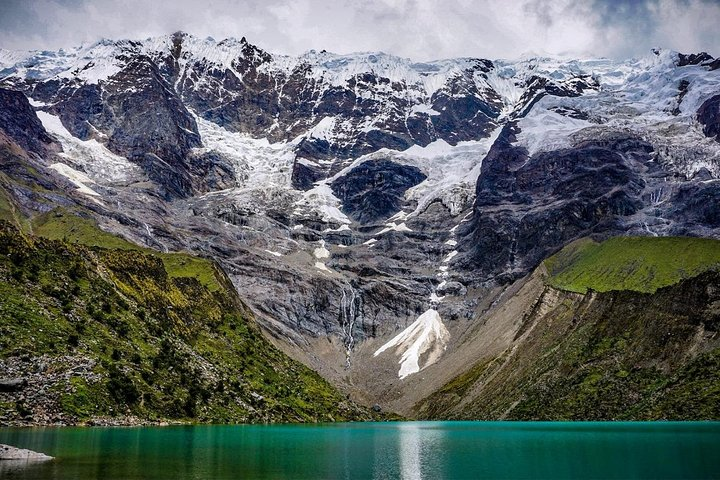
642, 346
69, 227
162, 336
641, 264
621, 359
6, 207
72, 228
606, 379
462, 383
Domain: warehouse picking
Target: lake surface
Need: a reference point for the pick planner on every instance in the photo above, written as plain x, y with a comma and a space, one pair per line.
410, 450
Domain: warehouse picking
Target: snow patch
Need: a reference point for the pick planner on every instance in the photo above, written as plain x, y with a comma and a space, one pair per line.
342, 228
392, 226
450, 256
435, 149
321, 251
434, 298
544, 130
259, 163
399, 216
452, 172
79, 179
274, 253
321, 266
100, 164
321, 199
425, 336
422, 108
323, 130
36, 103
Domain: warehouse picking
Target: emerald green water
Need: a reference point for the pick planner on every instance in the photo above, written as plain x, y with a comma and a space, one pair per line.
412, 450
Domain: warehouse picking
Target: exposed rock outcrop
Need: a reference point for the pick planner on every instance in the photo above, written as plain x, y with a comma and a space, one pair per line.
374, 190
8, 452
12, 384
19, 122
709, 116
528, 206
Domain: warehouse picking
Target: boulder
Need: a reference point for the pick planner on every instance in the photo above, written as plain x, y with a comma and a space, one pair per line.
12, 384
8, 452
452, 288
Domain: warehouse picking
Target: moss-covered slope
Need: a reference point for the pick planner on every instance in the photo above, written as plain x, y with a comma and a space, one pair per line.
95, 332
619, 354
641, 264
73, 227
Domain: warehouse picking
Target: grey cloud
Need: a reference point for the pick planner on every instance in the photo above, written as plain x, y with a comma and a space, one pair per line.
542, 10
420, 29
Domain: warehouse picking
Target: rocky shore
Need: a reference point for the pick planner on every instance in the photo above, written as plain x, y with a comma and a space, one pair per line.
32, 392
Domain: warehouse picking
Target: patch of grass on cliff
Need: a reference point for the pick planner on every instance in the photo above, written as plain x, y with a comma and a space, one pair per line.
641, 264
180, 265
71, 228
6, 209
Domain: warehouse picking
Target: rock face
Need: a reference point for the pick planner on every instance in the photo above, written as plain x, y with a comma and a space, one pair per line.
135, 113
345, 195
375, 190
334, 107
8, 452
709, 116
529, 206
19, 122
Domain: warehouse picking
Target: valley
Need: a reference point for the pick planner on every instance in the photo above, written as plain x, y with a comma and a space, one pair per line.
459, 239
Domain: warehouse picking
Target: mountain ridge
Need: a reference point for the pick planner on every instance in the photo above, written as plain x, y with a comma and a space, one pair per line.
344, 210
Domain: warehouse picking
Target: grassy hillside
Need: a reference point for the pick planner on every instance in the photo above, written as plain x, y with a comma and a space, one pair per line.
619, 355
641, 264
644, 346
112, 332
66, 226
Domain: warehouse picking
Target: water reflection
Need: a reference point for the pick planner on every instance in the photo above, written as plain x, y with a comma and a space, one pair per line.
18, 468
420, 448
409, 440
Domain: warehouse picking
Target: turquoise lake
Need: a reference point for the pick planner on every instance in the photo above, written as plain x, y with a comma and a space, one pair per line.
410, 450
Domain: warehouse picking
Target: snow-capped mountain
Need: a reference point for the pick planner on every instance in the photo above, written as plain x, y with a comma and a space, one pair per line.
348, 194
332, 107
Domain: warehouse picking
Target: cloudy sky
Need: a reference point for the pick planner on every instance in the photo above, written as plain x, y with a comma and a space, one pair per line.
420, 29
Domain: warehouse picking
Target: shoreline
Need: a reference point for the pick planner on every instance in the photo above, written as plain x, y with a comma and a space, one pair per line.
174, 423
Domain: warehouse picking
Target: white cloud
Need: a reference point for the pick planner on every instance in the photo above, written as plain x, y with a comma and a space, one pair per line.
420, 29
